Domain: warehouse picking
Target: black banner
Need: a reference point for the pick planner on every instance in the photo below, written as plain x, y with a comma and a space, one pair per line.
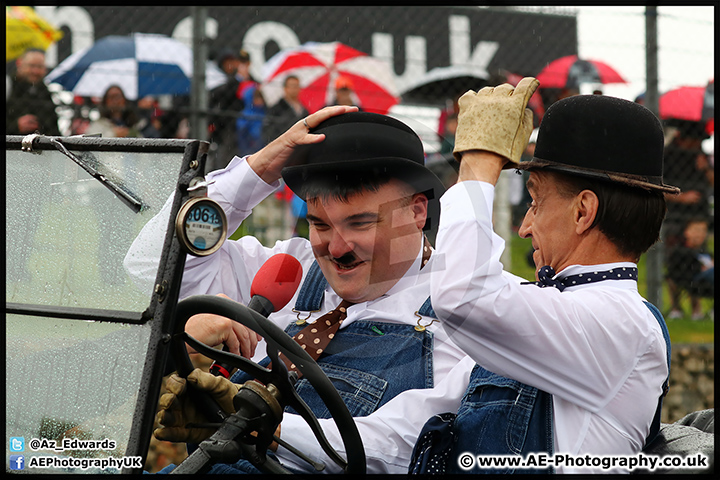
415, 39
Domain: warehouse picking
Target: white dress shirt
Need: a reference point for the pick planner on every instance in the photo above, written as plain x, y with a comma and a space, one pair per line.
596, 348
389, 433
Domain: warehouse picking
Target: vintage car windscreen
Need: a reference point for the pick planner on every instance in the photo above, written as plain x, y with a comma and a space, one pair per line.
77, 329
67, 233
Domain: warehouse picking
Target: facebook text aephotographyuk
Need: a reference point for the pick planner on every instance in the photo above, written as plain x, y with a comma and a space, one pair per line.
468, 461
84, 463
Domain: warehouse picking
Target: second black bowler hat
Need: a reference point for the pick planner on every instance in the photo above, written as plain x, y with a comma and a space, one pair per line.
602, 137
364, 143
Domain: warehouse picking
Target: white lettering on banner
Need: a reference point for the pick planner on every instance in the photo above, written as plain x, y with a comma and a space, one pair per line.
260, 34
80, 23
415, 56
184, 28
460, 54
77, 20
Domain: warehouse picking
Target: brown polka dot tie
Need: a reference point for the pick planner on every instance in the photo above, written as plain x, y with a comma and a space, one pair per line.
315, 337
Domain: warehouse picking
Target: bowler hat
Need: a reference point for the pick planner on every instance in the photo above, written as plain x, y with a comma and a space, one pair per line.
361, 144
602, 137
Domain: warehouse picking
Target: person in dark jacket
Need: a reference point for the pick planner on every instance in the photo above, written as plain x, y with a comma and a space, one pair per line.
286, 112
226, 103
30, 108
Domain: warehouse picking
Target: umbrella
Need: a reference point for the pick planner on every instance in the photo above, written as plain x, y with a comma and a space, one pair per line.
318, 66
688, 103
446, 82
571, 71
141, 64
696, 104
24, 29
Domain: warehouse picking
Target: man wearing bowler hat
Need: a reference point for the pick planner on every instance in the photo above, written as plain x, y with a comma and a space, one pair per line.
370, 198
578, 367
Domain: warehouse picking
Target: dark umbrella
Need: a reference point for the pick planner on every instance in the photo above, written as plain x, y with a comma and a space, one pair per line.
571, 71
442, 83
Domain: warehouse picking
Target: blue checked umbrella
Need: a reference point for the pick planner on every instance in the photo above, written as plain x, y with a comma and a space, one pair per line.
141, 64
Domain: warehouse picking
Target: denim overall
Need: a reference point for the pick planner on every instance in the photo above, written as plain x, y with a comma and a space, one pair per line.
498, 416
368, 362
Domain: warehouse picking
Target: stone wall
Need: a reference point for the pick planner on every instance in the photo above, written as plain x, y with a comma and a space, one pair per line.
692, 381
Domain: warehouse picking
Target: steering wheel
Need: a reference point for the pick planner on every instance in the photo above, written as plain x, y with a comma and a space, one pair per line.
277, 340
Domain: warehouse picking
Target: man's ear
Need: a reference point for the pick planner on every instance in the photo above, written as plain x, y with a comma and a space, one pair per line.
586, 209
419, 206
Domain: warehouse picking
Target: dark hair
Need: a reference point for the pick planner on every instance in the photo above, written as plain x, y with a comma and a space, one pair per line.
696, 219
630, 217
129, 116
290, 77
342, 185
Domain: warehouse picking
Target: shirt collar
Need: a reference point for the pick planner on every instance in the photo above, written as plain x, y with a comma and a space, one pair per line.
576, 269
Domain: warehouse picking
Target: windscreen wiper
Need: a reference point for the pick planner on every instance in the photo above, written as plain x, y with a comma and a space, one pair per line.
92, 165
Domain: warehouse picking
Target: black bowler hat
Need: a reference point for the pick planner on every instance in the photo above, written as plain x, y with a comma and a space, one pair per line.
364, 143
602, 137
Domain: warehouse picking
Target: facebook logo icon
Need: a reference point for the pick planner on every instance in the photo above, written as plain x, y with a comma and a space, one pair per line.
17, 462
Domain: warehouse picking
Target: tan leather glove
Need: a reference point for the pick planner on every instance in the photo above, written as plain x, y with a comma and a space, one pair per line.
496, 119
176, 410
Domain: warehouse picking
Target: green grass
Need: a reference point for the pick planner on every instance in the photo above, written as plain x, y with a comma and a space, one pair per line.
682, 330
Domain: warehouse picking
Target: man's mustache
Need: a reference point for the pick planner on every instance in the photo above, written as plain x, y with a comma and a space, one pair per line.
347, 259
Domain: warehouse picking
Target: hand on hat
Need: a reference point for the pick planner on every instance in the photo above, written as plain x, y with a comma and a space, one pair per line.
269, 162
496, 119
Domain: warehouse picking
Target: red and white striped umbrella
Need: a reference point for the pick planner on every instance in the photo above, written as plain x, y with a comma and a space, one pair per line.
570, 71
319, 65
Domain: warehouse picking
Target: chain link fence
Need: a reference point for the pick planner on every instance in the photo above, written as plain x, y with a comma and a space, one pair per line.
409, 62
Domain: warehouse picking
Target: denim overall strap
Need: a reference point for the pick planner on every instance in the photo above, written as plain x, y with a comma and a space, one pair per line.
427, 310
500, 416
312, 291
655, 425
497, 416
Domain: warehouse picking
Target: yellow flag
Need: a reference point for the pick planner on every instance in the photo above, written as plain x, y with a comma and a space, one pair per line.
24, 29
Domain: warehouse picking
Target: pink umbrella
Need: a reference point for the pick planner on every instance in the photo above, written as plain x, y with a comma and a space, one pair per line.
570, 71
696, 104
688, 103
318, 67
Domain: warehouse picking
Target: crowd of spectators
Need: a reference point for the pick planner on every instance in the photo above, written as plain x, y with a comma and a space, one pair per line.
240, 122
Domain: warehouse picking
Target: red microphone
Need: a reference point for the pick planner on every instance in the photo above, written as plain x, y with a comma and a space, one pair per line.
271, 289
